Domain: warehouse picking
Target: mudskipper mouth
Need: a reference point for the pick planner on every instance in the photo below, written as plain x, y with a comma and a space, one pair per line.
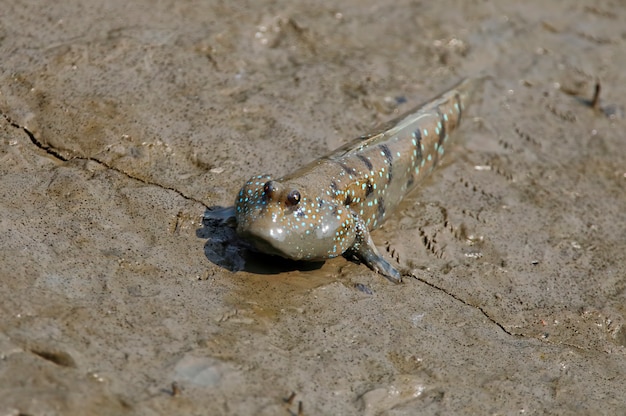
261, 244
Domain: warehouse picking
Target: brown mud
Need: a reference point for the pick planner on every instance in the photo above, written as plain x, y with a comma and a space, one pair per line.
122, 123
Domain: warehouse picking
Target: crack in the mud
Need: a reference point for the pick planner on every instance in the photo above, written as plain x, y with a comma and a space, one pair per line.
58, 155
499, 325
459, 299
486, 315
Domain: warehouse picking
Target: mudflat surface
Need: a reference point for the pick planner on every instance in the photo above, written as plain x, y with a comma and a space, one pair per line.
122, 123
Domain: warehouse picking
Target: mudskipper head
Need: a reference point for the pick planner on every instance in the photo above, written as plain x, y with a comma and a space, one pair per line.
290, 219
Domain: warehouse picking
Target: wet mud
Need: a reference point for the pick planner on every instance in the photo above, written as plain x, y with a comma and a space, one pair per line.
123, 124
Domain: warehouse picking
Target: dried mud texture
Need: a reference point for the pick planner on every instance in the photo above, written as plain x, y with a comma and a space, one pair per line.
122, 123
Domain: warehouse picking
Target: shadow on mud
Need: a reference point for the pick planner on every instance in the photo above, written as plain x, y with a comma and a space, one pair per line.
227, 250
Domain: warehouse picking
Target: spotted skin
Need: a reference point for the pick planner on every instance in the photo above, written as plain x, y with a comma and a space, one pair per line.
329, 207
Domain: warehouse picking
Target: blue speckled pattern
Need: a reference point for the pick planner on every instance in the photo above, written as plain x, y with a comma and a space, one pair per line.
328, 207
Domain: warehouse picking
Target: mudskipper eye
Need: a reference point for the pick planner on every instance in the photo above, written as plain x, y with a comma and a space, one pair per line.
293, 198
269, 187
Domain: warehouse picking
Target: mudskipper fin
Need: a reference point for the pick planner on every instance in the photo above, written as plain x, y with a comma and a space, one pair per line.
365, 250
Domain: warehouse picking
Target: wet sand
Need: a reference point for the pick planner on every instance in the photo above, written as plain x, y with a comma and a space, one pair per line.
122, 124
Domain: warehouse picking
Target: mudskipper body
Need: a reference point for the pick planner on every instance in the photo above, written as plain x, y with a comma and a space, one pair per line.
328, 208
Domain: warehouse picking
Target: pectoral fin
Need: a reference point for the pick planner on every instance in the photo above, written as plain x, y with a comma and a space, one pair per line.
365, 250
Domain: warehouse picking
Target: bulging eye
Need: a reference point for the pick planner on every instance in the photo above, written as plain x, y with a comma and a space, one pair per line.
269, 188
293, 198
